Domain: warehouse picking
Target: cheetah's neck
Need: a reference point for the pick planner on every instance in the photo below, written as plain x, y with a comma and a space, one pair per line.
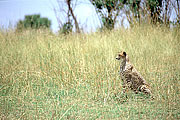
122, 65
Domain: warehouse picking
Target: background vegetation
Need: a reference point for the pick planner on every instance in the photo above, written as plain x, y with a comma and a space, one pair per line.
47, 76
33, 22
116, 13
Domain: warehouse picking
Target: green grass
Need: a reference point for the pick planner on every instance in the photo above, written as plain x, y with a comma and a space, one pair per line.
46, 76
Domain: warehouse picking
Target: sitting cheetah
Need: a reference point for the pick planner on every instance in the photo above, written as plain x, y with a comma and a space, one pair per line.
130, 76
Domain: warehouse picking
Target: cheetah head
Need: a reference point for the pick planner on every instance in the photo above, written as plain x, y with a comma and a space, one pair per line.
121, 55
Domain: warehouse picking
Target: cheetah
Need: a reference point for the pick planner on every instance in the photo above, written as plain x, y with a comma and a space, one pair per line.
131, 78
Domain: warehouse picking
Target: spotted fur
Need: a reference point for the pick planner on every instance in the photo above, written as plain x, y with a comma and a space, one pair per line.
131, 78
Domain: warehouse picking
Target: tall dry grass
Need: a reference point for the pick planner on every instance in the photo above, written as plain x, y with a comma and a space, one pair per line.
47, 76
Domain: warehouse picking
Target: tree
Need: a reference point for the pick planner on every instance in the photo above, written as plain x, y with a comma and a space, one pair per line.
33, 21
73, 16
155, 7
175, 5
108, 10
136, 11
66, 28
66, 18
132, 10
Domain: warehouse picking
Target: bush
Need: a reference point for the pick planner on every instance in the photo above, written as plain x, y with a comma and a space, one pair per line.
34, 22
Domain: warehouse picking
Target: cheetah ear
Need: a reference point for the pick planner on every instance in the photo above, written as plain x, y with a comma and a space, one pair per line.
124, 53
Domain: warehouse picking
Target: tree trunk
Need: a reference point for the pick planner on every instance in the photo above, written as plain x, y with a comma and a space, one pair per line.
178, 15
75, 20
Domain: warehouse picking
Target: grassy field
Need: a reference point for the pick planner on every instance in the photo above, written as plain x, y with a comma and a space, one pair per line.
47, 76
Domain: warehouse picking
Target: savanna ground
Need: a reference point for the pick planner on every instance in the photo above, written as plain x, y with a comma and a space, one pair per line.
47, 76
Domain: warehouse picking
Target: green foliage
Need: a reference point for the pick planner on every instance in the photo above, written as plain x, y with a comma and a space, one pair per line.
137, 11
113, 7
34, 22
110, 6
100, 4
155, 7
66, 28
134, 6
108, 22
